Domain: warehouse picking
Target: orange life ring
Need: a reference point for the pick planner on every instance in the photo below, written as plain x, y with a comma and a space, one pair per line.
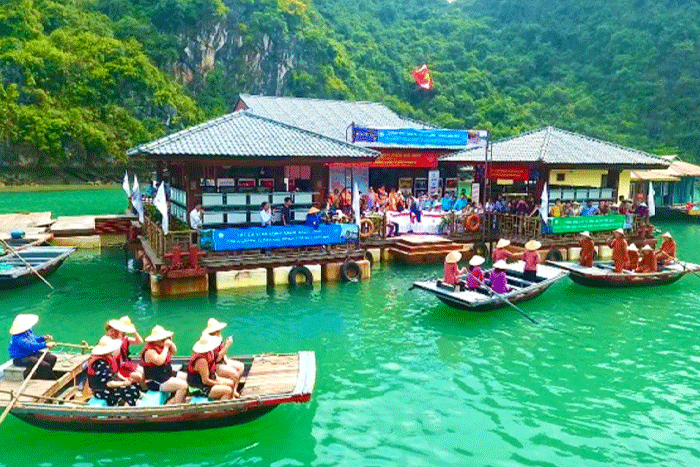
370, 228
473, 223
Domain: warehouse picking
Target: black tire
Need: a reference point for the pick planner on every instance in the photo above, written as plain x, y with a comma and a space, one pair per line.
369, 257
480, 248
145, 280
300, 271
554, 255
350, 272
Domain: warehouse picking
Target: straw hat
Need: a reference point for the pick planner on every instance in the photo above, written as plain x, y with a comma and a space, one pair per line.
476, 260
106, 346
632, 247
585, 233
122, 324
206, 343
23, 323
314, 210
502, 243
647, 248
643, 204
667, 235
575, 203
453, 257
619, 231
500, 264
533, 245
158, 334
213, 325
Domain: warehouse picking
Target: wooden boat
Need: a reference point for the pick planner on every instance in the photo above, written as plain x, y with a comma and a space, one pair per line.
602, 274
268, 381
44, 259
484, 299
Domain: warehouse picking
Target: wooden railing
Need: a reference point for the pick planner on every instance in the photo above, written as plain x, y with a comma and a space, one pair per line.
162, 243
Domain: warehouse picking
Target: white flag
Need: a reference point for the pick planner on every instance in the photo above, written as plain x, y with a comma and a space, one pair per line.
356, 203
125, 185
650, 200
162, 205
544, 208
137, 199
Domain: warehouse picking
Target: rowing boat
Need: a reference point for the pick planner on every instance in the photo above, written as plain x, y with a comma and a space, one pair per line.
484, 299
602, 274
268, 382
44, 259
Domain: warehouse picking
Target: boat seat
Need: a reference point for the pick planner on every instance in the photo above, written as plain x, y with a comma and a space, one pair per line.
199, 400
14, 373
95, 402
153, 399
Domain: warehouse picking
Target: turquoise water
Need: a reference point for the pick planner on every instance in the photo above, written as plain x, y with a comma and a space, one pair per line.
403, 379
66, 203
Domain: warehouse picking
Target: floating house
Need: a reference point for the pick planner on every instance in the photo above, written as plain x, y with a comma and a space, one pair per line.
675, 185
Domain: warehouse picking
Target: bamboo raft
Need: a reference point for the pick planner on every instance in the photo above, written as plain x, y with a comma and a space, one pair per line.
66, 405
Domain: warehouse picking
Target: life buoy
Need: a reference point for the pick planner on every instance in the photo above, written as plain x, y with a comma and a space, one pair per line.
351, 267
300, 271
481, 249
366, 228
472, 223
554, 255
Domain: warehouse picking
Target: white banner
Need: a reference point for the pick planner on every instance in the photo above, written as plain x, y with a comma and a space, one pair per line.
162, 205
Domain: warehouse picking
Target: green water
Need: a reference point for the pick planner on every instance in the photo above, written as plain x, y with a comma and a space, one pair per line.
403, 379
66, 203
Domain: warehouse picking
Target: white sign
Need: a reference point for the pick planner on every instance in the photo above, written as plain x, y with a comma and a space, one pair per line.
434, 181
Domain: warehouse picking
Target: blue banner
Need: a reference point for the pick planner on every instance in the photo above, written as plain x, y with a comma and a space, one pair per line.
254, 238
418, 137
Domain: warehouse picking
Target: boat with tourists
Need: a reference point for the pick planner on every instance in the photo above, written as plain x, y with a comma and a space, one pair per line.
26, 266
602, 274
484, 298
269, 380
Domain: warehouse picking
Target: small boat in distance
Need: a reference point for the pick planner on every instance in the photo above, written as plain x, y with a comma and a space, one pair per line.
268, 381
484, 299
602, 274
44, 259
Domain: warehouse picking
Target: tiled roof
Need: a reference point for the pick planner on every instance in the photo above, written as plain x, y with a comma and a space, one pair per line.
242, 134
327, 117
554, 146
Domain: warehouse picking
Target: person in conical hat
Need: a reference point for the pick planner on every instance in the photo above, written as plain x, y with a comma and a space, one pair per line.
499, 278
647, 264
632, 257
312, 218
619, 250
225, 366
119, 329
452, 270
26, 347
475, 275
103, 374
667, 253
532, 259
157, 369
201, 370
587, 250
500, 252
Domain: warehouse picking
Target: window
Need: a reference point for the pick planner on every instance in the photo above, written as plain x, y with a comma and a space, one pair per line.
561, 177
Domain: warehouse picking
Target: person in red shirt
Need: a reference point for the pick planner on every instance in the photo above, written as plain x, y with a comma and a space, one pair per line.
119, 329
667, 253
452, 269
648, 262
500, 252
619, 250
475, 275
632, 257
532, 259
587, 250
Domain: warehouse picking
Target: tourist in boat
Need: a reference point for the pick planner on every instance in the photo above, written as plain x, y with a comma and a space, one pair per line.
587, 250
498, 277
226, 367
647, 263
667, 253
157, 370
201, 370
632, 257
452, 269
26, 347
500, 252
475, 275
104, 378
532, 259
119, 329
619, 250
312, 219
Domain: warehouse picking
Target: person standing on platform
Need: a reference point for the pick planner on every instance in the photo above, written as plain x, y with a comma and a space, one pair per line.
619, 250
265, 215
632, 257
532, 259
197, 217
475, 275
452, 269
557, 210
446, 203
312, 219
667, 253
26, 347
648, 262
345, 201
499, 278
589, 209
587, 250
286, 211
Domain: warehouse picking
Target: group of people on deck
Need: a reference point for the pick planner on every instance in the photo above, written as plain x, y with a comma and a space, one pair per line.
627, 257
119, 380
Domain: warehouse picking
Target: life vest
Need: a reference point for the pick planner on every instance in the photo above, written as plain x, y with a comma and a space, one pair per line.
211, 363
217, 352
124, 351
152, 371
94, 382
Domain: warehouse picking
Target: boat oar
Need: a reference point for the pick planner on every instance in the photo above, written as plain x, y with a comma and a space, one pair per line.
83, 345
15, 397
695, 273
31, 268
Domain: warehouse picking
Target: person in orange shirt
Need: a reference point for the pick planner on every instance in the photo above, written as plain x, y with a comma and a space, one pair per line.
393, 200
345, 201
587, 250
648, 262
667, 253
632, 257
532, 259
619, 250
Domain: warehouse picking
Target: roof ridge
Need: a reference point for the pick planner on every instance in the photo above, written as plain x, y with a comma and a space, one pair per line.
545, 143
607, 143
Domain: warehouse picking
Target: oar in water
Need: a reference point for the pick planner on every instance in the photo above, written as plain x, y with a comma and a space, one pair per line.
21, 389
695, 273
31, 268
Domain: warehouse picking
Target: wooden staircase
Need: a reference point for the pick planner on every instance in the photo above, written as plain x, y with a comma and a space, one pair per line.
425, 249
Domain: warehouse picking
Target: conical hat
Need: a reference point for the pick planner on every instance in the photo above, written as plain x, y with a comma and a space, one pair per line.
23, 323
122, 324
647, 248
667, 235
533, 245
314, 210
500, 264
206, 343
476, 260
502, 243
586, 233
453, 257
158, 334
213, 325
106, 346
632, 247
619, 231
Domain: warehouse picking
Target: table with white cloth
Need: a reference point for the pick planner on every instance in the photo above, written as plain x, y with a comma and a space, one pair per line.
429, 224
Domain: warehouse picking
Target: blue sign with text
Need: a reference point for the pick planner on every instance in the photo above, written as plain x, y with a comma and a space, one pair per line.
277, 237
437, 137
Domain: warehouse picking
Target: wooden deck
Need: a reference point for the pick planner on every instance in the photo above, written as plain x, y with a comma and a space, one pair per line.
271, 374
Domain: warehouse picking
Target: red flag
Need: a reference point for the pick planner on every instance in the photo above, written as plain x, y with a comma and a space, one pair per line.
423, 78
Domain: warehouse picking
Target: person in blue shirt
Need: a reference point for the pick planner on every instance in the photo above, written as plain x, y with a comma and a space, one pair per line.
312, 219
446, 203
26, 347
461, 203
589, 209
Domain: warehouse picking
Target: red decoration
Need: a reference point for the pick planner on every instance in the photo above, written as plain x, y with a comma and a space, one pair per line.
509, 172
423, 77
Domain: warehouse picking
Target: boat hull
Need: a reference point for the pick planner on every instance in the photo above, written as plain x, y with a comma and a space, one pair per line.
447, 300
601, 275
24, 280
608, 282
